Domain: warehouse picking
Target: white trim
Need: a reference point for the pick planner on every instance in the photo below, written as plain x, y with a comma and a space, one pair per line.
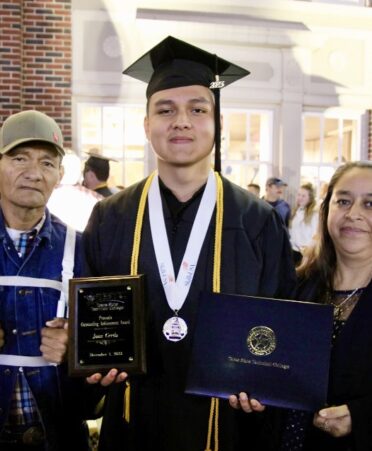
21, 281
23, 360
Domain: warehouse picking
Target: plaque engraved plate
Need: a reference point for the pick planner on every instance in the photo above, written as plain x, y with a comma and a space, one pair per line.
106, 325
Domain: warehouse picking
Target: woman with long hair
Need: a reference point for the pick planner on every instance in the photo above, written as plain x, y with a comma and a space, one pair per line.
336, 271
304, 221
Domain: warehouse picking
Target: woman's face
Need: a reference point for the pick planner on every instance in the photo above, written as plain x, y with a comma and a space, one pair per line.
303, 197
350, 215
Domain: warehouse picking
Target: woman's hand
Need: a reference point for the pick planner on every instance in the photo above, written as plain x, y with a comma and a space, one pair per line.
335, 421
242, 401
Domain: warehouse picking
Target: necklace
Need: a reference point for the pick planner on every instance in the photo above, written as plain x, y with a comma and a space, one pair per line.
339, 308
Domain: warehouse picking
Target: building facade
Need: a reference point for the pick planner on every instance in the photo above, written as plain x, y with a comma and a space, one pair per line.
303, 110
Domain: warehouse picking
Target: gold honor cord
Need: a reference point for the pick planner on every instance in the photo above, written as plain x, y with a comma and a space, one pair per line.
214, 409
134, 268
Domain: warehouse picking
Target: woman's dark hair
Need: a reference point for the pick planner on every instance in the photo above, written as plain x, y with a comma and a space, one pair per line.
321, 258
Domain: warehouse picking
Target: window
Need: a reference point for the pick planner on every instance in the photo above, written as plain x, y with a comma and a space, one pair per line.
328, 141
116, 131
246, 146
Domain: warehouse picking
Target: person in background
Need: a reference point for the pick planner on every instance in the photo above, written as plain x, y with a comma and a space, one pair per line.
70, 201
304, 221
254, 189
337, 271
187, 228
97, 172
273, 195
40, 407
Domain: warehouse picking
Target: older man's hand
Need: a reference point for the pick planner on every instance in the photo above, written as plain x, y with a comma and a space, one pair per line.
54, 340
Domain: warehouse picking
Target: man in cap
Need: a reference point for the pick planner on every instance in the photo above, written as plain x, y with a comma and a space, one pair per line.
164, 227
39, 405
273, 195
96, 173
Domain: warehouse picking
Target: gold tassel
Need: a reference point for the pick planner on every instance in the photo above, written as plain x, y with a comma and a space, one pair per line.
216, 417
210, 424
134, 270
213, 424
215, 402
127, 402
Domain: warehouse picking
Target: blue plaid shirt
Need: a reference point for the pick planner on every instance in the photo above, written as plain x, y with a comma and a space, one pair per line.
23, 409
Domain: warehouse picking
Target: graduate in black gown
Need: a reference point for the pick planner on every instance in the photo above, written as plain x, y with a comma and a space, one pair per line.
96, 174
183, 125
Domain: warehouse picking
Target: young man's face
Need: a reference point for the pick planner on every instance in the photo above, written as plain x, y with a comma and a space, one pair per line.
28, 175
180, 125
274, 192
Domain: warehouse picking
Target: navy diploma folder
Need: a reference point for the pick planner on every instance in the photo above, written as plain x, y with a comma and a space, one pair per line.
277, 351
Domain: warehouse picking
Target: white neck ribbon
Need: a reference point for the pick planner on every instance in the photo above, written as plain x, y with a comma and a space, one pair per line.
176, 290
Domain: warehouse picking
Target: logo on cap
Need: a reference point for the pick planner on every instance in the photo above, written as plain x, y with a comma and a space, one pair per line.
55, 137
217, 84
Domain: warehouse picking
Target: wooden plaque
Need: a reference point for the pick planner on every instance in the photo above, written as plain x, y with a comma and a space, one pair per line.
106, 325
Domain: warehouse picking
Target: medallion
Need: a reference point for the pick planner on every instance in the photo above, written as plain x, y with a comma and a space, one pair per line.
175, 329
177, 288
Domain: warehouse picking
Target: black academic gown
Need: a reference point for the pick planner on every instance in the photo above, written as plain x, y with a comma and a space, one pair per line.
256, 260
350, 381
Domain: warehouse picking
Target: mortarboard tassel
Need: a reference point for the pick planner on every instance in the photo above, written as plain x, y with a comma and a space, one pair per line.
217, 137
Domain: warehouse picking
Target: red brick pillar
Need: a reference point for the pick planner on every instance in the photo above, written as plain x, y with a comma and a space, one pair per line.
10, 57
36, 59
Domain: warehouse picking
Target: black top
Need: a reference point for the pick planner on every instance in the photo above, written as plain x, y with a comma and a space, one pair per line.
350, 381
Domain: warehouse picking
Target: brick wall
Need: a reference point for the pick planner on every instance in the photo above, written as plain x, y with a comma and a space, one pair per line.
36, 59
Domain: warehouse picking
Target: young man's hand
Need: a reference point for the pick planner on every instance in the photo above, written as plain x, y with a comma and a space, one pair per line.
242, 401
112, 376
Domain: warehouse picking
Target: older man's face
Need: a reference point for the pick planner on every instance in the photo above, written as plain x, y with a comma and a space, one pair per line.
28, 175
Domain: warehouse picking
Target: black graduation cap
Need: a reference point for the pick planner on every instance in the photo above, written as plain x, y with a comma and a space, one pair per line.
98, 162
174, 63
